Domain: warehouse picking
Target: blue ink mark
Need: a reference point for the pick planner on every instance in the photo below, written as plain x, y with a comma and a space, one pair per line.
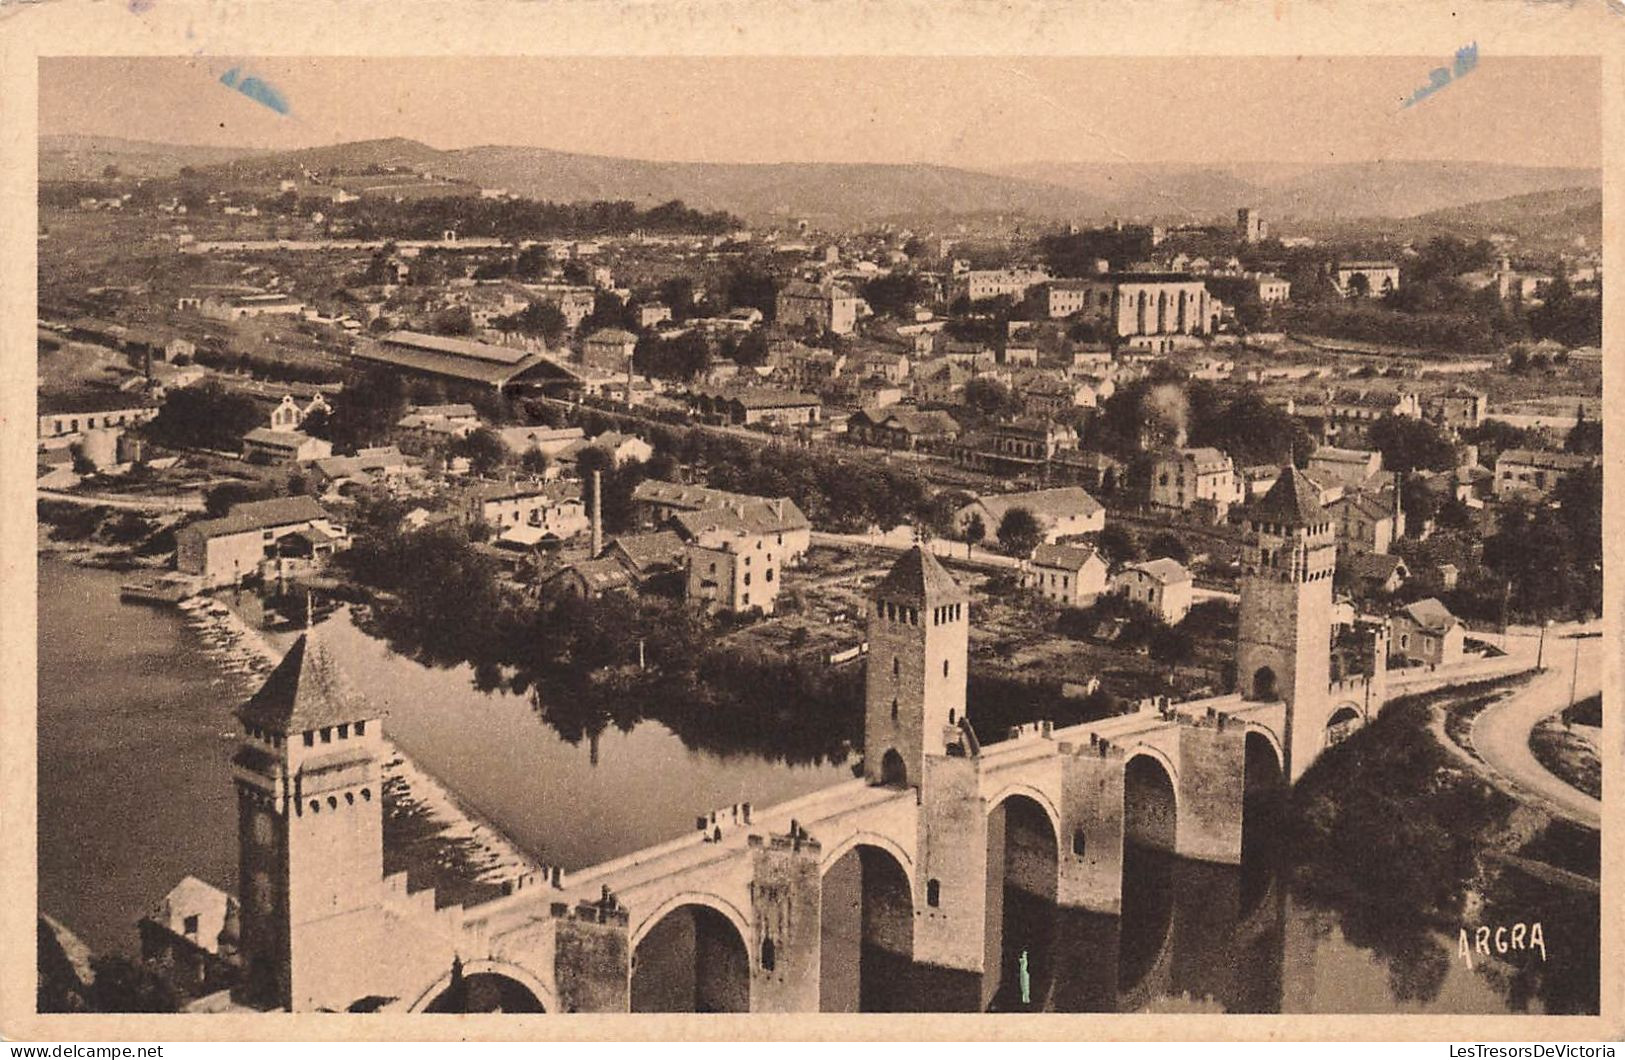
1026, 981
141, 7
1466, 62
255, 89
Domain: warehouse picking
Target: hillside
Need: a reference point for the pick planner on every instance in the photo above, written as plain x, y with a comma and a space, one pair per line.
85, 157
865, 193
1286, 192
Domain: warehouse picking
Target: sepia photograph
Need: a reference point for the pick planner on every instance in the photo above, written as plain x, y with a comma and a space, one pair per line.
1067, 534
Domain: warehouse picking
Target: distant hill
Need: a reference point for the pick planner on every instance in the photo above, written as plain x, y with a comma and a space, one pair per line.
1565, 211
1287, 192
85, 157
863, 193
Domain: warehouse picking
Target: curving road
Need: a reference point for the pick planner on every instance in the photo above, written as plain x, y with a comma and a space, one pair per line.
1501, 732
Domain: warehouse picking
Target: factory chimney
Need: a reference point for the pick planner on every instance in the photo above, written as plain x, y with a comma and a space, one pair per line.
597, 513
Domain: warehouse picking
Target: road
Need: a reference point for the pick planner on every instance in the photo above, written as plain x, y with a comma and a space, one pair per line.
1501, 732
185, 502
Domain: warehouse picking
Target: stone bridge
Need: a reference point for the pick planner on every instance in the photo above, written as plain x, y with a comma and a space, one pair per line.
828, 901
808, 905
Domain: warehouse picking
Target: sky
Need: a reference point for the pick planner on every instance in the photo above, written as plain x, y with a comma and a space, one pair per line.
971, 112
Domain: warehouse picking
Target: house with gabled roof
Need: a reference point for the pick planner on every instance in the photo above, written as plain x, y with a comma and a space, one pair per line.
1070, 575
1425, 633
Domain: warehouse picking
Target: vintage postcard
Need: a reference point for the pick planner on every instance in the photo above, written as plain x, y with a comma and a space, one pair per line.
706, 508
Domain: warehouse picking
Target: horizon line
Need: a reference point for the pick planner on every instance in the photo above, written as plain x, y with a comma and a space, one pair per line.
966, 167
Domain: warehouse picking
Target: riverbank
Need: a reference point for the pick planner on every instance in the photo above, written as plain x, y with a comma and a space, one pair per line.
1408, 838
428, 833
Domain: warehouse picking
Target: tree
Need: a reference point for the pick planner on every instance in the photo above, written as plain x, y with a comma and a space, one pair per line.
975, 530
1117, 546
990, 397
1411, 445
533, 461
1585, 436
1020, 531
219, 500
1421, 505
1167, 546
1359, 285
485, 450
125, 985
894, 294
368, 408
540, 319
206, 416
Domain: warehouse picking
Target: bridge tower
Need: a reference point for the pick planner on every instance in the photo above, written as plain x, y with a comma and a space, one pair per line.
1283, 649
914, 689
309, 834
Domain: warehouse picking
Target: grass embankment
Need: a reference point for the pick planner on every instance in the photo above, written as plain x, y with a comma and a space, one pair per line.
1405, 839
1569, 756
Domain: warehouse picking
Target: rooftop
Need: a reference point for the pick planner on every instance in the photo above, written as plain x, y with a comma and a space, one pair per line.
1293, 501
260, 515
917, 577
1062, 501
306, 691
1063, 557
1165, 570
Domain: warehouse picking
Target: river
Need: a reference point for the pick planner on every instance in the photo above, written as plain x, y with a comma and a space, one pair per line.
135, 793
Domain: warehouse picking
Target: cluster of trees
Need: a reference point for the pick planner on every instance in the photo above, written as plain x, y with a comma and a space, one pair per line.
207, 416
1076, 254
1551, 554
1365, 322
683, 357
517, 218
896, 293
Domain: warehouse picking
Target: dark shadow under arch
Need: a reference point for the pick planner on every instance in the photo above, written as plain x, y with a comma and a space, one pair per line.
866, 943
693, 960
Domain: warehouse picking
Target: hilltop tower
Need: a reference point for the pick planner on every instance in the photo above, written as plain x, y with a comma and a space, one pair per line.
919, 631
309, 833
1283, 649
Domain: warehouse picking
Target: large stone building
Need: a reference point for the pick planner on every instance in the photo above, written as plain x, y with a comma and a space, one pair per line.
1532, 474
1131, 304
818, 306
1065, 511
1365, 279
1184, 479
247, 541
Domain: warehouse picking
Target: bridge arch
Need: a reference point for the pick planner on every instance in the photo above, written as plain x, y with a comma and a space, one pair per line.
866, 925
496, 971
1344, 719
870, 839
691, 954
1043, 800
1150, 798
1023, 871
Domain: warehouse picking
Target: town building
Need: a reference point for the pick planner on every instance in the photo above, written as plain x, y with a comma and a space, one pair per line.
896, 428
1367, 520
1458, 408
245, 542
289, 413
1064, 511
190, 937
1043, 397
653, 313
1425, 633
1532, 474
978, 285
752, 406
1014, 447
650, 558
241, 305
452, 420
464, 360
64, 416
609, 349
1070, 575
262, 445
1365, 279
1373, 573
819, 307
575, 302
369, 466
807, 368
730, 566
589, 579
659, 504
555, 508
551, 441
1188, 479
1348, 467
1162, 586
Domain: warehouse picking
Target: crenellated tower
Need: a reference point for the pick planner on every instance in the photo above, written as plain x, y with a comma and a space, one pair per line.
919, 631
309, 833
1283, 649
